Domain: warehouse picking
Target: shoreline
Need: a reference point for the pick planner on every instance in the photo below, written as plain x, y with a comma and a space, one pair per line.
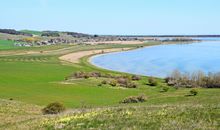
134, 73
132, 49
72, 59
76, 56
89, 58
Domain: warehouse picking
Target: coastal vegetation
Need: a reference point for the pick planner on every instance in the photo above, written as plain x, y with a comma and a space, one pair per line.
195, 79
40, 91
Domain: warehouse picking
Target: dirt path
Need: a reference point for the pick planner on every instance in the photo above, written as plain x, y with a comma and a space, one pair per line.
75, 57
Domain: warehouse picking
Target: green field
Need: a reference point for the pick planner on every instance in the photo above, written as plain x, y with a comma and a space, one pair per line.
6, 45
39, 76
32, 32
35, 80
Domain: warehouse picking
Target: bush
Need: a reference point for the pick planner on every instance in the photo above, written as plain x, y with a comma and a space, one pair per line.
100, 84
104, 82
164, 89
130, 100
108, 76
86, 75
141, 98
152, 81
53, 108
134, 99
168, 79
95, 74
79, 74
30, 39
131, 85
136, 77
125, 82
113, 83
193, 92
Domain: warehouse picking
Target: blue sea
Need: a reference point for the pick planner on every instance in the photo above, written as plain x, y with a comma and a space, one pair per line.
162, 60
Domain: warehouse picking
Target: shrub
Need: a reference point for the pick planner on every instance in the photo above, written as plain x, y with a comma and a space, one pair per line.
164, 89
141, 98
168, 79
100, 84
152, 81
108, 76
196, 79
125, 82
30, 39
86, 76
113, 83
95, 74
131, 99
79, 74
53, 108
66, 78
104, 82
193, 92
136, 77
131, 85
134, 99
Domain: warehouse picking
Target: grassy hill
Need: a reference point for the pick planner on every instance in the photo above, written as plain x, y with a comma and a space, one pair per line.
32, 32
18, 115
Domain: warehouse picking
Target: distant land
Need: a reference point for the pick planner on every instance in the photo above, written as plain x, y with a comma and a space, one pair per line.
35, 32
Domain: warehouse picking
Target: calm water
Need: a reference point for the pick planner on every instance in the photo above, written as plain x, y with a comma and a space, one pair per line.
161, 60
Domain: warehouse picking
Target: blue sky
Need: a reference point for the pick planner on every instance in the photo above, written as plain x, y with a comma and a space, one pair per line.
147, 17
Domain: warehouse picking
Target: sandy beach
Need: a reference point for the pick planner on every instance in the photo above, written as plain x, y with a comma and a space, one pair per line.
117, 42
75, 57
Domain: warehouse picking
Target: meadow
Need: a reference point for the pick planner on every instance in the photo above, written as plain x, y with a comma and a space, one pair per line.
6, 44
32, 32
31, 81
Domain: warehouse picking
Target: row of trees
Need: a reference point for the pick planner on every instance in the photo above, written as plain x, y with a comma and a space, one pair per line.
14, 32
195, 79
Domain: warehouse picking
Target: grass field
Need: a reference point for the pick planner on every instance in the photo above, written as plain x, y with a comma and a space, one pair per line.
32, 32
35, 80
17, 115
6, 45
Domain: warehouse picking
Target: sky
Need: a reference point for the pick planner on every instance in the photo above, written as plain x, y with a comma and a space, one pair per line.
120, 17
